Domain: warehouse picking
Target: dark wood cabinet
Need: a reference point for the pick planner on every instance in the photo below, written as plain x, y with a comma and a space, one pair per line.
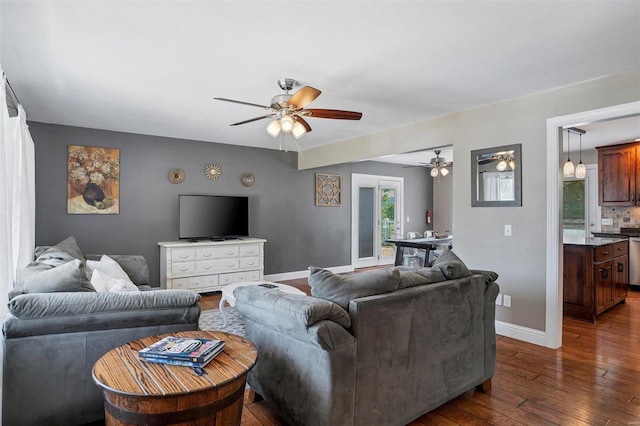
618, 175
595, 278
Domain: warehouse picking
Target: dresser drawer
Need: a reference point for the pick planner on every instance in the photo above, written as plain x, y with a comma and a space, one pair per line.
225, 279
183, 268
204, 253
249, 262
183, 255
253, 275
250, 250
196, 283
621, 248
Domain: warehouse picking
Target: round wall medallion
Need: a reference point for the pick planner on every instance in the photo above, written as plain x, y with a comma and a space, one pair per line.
213, 171
176, 176
248, 179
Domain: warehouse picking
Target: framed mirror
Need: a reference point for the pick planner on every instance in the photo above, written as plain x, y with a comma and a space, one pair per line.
496, 176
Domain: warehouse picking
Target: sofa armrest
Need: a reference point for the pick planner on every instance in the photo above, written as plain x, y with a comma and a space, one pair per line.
305, 318
53, 313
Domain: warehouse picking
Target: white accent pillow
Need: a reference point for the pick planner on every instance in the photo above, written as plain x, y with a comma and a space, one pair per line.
102, 282
108, 266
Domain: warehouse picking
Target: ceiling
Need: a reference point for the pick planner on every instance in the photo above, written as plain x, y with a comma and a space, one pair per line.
154, 67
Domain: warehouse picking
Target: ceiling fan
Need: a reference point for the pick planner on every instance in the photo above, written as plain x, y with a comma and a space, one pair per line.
437, 164
289, 113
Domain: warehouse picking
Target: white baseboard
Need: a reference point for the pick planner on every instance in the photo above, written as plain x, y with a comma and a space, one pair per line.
525, 334
304, 274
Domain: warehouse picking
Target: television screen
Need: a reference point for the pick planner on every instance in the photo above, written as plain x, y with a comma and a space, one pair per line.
213, 216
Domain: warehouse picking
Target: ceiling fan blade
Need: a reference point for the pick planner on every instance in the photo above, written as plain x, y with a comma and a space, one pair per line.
242, 103
304, 123
303, 97
252, 119
334, 113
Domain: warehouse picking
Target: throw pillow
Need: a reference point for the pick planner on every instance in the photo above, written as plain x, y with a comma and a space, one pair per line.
419, 276
341, 289
451, 266
107, 266
103, 282
63, 278
60, 253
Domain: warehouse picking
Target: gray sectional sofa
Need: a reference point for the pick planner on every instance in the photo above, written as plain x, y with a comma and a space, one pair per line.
51, 341
381, 347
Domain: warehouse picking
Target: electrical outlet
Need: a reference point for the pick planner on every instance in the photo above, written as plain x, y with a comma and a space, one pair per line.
407, 218
607, 221
499, 299
507, 230
507, 300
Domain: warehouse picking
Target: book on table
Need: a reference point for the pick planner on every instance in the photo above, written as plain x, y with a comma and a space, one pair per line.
186, 351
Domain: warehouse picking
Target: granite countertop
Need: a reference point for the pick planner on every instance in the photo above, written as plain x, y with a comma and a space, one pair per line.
611, 235
591, 241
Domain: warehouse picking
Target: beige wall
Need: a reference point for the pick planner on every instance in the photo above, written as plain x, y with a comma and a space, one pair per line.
478, 231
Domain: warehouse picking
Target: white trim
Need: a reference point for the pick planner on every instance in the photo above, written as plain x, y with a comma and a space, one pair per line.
525, 334
305, 273
553, 314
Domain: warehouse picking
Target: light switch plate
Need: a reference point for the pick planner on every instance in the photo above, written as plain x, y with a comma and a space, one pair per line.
607, 221
507, 230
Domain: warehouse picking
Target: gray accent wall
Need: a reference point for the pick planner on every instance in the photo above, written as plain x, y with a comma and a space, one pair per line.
282, 200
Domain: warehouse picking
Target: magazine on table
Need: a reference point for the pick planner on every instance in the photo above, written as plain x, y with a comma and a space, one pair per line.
187, 351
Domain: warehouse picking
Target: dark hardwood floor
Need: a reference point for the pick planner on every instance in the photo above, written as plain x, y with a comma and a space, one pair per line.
594, 379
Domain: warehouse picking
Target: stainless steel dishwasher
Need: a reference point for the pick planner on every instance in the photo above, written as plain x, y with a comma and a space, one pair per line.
634, 261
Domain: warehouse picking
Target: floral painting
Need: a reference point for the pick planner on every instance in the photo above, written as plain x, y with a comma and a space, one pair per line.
93, 180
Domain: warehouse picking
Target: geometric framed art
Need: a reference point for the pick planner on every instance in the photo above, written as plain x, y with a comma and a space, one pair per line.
328, 190
93, 180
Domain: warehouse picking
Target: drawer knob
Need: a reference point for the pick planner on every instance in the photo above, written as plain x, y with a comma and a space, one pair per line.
184, 256
230, 265
605, 253
183, 269
206, 267
206, 255
231, 252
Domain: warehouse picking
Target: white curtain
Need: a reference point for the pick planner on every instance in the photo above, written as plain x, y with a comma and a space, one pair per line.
17, 199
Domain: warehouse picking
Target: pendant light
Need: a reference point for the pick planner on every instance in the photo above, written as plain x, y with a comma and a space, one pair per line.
568, 168
581, 169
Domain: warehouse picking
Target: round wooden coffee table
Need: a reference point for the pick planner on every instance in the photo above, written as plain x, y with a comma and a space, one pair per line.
138, 392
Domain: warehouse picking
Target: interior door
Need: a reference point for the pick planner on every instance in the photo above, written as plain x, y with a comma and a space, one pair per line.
376, 216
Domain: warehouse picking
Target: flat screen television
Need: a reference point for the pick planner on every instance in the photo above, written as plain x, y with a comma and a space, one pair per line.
215, 217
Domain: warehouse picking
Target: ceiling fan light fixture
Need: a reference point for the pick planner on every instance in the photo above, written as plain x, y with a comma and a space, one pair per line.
444, 171
286, 123
298, 130
434, 172
501, 166
274, 128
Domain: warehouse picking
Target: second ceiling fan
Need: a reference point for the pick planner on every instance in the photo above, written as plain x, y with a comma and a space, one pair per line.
289, 113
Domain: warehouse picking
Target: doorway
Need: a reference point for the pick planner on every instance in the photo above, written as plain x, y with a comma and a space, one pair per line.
580, 211
553, 315
377, 211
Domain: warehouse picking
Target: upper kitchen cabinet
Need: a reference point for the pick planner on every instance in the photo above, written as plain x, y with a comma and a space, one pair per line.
618, 175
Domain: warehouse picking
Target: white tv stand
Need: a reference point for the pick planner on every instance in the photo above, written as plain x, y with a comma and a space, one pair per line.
205, 266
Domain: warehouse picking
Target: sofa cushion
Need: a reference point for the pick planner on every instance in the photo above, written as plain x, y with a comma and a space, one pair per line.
64, 278
411, 277
341, 289
33, 306
451, 266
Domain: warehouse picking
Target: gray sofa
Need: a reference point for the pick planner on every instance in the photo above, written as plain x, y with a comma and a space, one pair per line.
377, 348
51, 341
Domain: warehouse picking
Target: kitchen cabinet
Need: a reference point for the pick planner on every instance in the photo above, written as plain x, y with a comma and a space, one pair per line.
619, 175
596, 276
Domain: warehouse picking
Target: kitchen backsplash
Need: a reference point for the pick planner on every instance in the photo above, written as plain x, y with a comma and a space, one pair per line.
623, 217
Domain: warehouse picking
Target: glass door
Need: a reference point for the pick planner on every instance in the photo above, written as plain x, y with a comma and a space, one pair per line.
376, 217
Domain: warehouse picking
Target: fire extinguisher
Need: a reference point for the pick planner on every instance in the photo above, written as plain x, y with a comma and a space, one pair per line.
428, 217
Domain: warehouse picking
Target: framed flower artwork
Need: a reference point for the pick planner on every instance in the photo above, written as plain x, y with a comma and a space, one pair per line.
93, 180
